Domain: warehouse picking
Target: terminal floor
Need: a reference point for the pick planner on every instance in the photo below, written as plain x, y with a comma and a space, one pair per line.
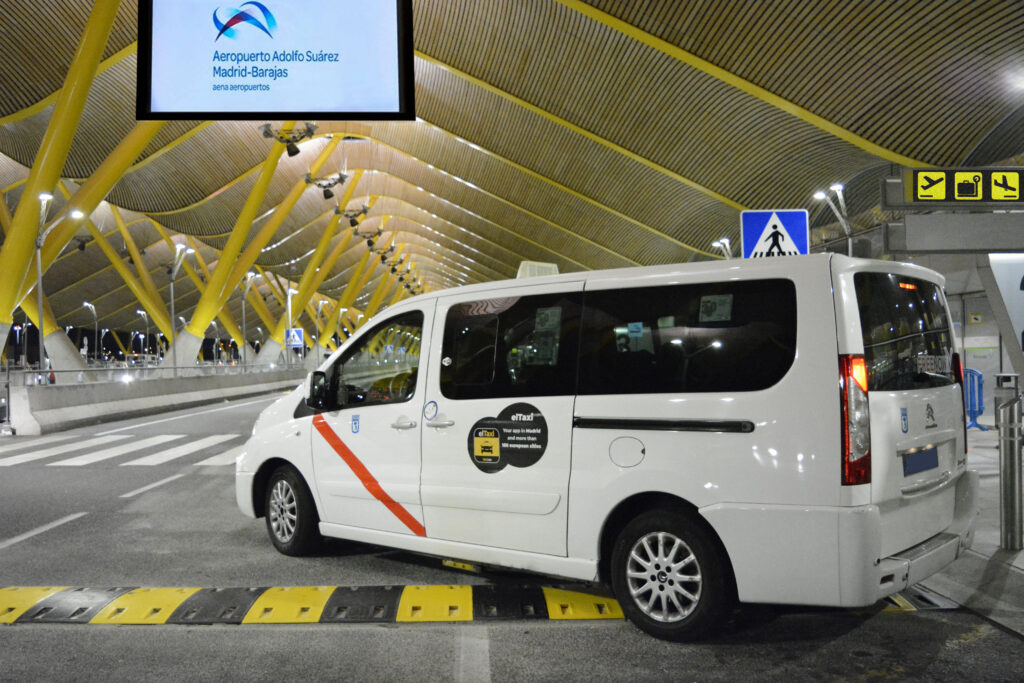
156, 509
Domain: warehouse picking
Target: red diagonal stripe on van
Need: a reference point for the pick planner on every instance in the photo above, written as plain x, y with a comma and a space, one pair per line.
367, 479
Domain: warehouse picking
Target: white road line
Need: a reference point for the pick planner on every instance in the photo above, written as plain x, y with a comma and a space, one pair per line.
179, 451
226, 458
35, 532
201, 411
17, 444
151, 486
61, 450
106, 454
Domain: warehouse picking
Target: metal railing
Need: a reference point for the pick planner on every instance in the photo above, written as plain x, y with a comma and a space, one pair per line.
124, 372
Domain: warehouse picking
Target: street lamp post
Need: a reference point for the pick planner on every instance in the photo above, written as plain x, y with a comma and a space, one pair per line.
289, 325
95, 330
180, 251
245, 295
99, 344
44, 206
143, 346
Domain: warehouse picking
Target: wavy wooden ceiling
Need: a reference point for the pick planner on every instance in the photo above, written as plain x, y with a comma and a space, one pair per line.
589, 134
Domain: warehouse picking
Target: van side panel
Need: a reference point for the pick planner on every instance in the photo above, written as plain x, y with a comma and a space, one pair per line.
758, 489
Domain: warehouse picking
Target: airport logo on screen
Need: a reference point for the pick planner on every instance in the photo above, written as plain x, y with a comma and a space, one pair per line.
260, 68
239, 16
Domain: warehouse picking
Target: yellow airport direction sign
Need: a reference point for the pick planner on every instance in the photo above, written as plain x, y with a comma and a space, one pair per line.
968, 186
1005, 185
990, 186
929, 185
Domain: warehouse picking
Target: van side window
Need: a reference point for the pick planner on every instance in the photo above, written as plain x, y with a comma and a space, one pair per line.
516, 346
717, 336
382, 366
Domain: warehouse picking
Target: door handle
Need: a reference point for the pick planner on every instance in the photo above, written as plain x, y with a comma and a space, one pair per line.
408, 424
438, 424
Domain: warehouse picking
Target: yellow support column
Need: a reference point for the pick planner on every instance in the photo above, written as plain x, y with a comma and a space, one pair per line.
92, 192
145, 279
314, 274
213, 298
225, 317
16, 254
306, 288
248, 257
155, 309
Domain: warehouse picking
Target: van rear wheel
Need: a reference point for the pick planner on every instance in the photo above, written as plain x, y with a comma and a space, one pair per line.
292, 520
670, 577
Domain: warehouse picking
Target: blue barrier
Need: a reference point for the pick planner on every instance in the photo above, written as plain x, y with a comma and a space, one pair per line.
975, 398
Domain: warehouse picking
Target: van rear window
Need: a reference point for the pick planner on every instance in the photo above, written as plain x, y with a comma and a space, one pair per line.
907, 341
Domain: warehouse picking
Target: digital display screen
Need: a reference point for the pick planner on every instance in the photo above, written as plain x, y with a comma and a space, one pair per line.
275, 59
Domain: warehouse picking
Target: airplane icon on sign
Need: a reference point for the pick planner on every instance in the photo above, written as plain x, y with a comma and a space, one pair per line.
929, 183
1003, 183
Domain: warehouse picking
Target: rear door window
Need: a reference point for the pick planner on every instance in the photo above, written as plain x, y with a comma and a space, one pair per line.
907, 340
707, 337
514, 346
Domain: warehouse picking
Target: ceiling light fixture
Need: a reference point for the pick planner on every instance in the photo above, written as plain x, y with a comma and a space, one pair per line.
841, 216
327, 182
291, 137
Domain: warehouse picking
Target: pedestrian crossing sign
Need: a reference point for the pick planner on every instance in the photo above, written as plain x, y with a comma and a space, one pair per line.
775, 233
293, 338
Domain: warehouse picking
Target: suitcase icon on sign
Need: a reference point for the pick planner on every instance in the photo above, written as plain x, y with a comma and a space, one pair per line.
968, 187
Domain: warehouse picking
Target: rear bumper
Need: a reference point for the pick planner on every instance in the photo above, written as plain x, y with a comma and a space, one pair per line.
917, 563
831, 556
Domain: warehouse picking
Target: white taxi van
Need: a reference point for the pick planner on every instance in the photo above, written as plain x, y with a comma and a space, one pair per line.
785, 430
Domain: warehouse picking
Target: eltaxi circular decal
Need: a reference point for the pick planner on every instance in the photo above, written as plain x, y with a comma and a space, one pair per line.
518, 437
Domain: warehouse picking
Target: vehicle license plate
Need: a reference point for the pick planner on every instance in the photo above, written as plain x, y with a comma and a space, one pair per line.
920, 461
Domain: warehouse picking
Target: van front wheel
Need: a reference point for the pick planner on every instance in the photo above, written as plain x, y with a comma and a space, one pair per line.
669, 576
292, 521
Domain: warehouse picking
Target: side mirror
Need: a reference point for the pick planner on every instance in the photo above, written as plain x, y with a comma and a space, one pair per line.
316, 396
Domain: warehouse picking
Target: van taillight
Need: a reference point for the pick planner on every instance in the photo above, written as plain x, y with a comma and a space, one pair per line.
958, 375
853, 394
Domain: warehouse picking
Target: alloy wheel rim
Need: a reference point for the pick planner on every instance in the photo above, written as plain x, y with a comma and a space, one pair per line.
664, 577
283, 511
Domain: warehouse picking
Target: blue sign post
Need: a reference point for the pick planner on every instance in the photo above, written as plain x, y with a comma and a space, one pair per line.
775, 233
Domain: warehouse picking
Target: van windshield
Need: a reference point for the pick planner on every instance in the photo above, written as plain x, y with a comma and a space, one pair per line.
907, 341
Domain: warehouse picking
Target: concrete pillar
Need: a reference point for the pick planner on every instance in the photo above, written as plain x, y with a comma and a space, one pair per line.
188, 346
269, 353
62, 352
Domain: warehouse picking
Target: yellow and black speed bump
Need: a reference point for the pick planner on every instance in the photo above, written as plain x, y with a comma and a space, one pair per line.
216, 606
298, 605
362, 604
509, 602
71, 606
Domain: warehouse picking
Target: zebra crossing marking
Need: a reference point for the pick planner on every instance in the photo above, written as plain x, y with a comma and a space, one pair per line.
182, 450
19, 444
61, 450
228, 457
108, 453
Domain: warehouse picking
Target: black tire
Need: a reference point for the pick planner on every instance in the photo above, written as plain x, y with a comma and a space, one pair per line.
689, 592
292, 520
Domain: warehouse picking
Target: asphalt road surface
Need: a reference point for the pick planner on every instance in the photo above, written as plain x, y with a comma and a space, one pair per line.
150, 502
